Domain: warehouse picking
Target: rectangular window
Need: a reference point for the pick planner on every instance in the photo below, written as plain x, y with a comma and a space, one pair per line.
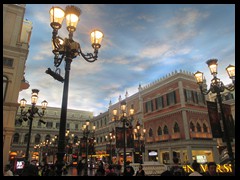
188, 95
201, 98
171, 98
57, 125
159, 102
49, 124
76, 126
149, 106
195, 99
7, 62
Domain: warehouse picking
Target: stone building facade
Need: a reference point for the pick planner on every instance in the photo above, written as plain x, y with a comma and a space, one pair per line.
45, 132
175, 116
16, 39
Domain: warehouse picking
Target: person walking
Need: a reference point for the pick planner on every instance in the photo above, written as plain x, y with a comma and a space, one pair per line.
7, 170
140, 171
128, 171
177, 170
197, 169
212, 169
80, 167
29, 169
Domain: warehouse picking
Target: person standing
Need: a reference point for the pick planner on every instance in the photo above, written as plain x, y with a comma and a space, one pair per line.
197, 169
29, 169
80, 167
7, 171
140, 171
177, 170
129, 171
212, 169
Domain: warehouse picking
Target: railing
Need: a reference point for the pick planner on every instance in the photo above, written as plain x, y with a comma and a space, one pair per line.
151, 168
201, 135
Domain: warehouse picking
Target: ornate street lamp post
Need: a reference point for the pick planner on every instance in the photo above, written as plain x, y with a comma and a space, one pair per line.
218, 87
111, 138
69, 144
67, 49
126, 121
54, 143
30, 114
138, 135
86, 132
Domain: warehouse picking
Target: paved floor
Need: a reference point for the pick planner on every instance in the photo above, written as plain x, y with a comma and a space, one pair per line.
72, 171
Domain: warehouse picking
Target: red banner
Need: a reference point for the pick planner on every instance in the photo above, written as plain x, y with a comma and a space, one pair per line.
130, 139
82, 145
119, 137
229, 120
214, 119
139, 146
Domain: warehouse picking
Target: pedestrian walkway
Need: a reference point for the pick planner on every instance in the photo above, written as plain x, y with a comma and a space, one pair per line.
72, 171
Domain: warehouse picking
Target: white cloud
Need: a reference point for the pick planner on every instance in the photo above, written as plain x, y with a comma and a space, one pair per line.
139, 46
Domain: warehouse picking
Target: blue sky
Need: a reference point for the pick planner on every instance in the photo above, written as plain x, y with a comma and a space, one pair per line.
142, 43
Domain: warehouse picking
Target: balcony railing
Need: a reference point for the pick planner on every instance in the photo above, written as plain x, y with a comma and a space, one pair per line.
201, 135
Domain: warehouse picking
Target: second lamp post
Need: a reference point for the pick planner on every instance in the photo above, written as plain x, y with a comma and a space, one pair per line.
125, 122
30, 113
218, 87
140, 135
110, 137
86, 132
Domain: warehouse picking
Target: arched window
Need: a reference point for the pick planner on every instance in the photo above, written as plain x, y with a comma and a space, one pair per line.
15, 138
25, 138
205, 129
75, 140
199, 129
165, 130
159, 131
48, 137
150, 133
17, 123
176, 128
192, 127
5, 85
39, 124
37, 139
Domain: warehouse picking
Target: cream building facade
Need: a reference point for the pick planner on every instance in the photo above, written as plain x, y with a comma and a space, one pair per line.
42, 132
16, 39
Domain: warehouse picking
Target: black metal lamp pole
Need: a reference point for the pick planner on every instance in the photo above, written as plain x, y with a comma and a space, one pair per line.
67, 49
31, 111
86, 132
86, 160
218, 87
55, 139
125, 122
111, 137
138, 134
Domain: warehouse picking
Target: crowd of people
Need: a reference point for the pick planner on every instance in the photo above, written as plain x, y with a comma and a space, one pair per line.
106, 169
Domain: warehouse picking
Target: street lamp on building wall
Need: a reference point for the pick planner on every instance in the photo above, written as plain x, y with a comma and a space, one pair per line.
86, 132
67, 49
30, 114
110, 137
218, 87
126, 119
139, 133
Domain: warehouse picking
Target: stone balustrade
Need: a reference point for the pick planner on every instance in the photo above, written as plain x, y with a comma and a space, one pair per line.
151, 168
